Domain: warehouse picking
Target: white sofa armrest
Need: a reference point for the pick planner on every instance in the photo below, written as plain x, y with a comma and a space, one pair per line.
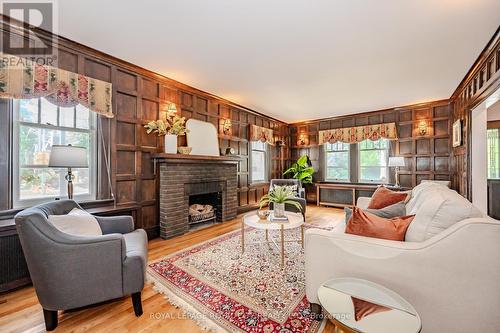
440, 277
363, 202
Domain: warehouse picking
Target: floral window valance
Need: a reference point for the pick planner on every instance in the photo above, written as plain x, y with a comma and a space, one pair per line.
24, 79
359, 133
263, 134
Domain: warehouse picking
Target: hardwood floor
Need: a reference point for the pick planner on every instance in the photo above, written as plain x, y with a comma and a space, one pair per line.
21, 312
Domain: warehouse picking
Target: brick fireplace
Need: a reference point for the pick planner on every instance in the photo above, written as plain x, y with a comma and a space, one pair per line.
186, 179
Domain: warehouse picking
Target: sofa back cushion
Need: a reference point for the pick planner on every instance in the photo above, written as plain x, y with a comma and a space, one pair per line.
77, 222
436, 208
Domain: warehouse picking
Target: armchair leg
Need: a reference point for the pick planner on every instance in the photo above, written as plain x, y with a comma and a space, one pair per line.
137, 303
50, 317
316, 311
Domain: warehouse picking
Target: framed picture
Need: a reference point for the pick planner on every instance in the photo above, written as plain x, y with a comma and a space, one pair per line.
457, 133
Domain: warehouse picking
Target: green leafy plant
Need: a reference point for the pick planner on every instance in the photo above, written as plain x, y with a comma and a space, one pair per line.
301, 170
280, 194
174, 124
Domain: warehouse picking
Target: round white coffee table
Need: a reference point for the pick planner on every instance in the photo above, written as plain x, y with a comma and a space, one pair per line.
295, 220
356, 305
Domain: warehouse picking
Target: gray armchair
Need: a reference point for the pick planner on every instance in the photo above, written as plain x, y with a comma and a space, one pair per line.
301, 195
69, 272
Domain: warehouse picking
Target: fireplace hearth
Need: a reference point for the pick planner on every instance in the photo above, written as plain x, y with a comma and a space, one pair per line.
187, 180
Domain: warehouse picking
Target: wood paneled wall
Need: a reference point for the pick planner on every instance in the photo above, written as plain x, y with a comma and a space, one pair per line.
140, 96
481, 81
427, 156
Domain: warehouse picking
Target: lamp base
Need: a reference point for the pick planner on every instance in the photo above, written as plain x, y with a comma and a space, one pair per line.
69, 178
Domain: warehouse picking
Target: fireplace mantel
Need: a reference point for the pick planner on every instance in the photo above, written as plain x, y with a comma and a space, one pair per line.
159, 157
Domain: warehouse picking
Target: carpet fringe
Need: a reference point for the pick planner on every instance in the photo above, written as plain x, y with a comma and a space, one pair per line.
201, 320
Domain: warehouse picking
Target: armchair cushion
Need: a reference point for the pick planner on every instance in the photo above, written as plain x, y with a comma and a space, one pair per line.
77, 222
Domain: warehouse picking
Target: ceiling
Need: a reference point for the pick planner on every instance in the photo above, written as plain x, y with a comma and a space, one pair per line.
294, 60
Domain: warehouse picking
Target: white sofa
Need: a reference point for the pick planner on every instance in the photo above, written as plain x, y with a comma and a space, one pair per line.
448, 268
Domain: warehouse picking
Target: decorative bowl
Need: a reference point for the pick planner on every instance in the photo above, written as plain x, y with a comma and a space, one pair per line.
184, 150
263, 214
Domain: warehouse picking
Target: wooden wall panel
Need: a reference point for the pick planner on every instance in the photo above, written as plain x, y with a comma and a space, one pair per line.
427, 157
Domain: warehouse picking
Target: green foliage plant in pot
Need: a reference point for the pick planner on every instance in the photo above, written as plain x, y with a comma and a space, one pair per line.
279, 196
301, 170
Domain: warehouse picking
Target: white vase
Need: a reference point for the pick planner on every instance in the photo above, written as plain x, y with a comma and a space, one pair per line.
171, 144
279, 209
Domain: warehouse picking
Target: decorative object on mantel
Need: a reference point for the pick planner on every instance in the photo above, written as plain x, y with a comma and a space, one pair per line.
68, 157
301, 170
457, 133
359, 133
21, 78
396, 162
184, 150
202, 137
228, 151
279, 196
173, 126
263, 134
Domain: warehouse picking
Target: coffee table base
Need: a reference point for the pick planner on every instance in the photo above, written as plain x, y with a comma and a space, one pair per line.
272, 241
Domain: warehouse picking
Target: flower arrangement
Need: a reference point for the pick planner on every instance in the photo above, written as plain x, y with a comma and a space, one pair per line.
173, 125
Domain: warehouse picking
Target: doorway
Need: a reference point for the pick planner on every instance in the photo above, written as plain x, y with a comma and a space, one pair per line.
485, 155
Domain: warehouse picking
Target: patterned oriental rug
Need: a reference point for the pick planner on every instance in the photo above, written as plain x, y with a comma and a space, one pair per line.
227, 291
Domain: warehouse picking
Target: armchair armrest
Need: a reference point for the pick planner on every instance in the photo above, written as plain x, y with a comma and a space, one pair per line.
302, 192
115, 224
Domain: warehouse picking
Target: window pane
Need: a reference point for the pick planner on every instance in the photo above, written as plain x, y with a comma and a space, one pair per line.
373, 174
28, 110
337, 174
39, 183
493, 154
67, 117
258, 165
373, 158
48, 113
82, 117
338, 159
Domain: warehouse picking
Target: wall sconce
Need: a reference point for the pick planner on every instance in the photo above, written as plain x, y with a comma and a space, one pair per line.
422, 127
302, 140
171, 108
226, 127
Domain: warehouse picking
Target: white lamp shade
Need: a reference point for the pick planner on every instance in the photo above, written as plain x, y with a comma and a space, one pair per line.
68, 157
396, 161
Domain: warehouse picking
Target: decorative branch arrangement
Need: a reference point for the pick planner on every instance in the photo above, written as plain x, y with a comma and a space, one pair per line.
173, 125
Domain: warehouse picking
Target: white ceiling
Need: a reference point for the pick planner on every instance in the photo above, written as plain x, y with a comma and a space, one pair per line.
294, 60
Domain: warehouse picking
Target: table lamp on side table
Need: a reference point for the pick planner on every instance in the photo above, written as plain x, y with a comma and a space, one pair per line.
68, 157
396, 162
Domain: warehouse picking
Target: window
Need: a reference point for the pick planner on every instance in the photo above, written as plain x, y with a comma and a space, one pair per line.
38, 125
373, 158
259, 162
493, 154
337, 161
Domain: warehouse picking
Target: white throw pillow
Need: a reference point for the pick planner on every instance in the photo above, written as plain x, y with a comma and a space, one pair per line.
77, 222
437, 211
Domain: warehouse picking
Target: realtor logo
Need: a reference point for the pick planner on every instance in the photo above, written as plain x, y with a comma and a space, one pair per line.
22, 35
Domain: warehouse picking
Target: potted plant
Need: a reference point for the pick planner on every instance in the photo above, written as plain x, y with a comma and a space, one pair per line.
301, 170
171, 127
279, 196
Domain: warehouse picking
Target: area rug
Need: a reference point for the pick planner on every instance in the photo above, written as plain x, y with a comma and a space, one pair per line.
227, 291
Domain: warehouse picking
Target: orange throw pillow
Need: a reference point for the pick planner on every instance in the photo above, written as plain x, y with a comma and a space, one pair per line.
366, 224
383, 197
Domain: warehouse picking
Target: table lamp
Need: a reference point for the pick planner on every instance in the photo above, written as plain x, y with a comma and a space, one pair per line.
68, 157
396, 162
